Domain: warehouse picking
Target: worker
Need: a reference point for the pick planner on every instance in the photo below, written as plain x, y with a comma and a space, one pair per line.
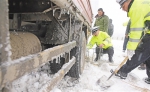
138, 53
102, 20
110, 28
103, 41
126, 38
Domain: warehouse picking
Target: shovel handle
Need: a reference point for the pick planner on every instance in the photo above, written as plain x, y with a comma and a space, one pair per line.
116, 70
121, 64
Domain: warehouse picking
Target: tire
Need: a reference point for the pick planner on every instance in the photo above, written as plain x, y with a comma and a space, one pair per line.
56, 66
79, 52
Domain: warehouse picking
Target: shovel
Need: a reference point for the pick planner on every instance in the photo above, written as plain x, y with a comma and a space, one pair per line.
104, 82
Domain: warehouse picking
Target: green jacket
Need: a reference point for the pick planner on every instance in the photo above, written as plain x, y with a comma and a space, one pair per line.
139, 12
102, 38
102, 22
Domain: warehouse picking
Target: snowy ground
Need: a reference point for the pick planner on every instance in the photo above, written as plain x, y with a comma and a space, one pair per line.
92, 72
33, 82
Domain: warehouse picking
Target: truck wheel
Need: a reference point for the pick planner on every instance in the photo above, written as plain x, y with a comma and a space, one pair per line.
79, 53
56, 65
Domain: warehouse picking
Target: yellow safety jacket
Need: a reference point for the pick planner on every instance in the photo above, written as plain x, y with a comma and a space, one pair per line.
139, 12
101, 38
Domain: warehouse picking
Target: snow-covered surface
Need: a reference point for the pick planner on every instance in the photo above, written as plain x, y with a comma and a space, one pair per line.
87, 83
94, 71
33, 81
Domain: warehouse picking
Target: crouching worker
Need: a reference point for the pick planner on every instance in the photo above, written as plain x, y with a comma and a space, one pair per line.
103, 41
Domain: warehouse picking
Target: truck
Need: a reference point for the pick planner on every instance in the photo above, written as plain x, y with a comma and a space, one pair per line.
36, 32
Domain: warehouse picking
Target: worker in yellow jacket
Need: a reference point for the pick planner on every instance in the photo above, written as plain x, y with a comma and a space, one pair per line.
103, 41
139, 13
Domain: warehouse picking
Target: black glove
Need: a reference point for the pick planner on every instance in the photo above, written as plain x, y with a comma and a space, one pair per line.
147, 24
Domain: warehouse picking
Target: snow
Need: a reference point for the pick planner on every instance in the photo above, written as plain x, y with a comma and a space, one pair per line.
34, 81
31, 82
94, 71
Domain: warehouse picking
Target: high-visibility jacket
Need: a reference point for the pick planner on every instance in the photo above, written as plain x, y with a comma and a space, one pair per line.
139, 12
101, 38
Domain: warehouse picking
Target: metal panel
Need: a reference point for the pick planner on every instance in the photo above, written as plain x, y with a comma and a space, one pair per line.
4, 33
17, 68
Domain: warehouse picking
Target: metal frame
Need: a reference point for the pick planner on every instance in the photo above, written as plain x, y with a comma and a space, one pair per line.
68, 4
4, 33
58, 76
18, 68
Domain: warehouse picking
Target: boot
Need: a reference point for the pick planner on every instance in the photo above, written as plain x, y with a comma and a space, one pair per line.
147, 80
142, 67
97, 53
110, 54
121, 75
111, 59
96, 59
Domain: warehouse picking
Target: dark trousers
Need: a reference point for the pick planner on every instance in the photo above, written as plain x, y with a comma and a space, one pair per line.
125, 43
109, 51
142, 55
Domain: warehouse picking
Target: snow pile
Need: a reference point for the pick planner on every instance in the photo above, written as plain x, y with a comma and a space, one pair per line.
32, 82
105, 67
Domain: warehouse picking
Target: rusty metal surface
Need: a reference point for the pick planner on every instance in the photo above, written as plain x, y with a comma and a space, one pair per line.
85, 8
12, 70
41, 16
58, 76
75, 10
22, 44
4, 33
35, 17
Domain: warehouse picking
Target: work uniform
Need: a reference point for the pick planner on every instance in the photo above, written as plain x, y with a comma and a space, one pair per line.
139, 13
102, 22
102, 38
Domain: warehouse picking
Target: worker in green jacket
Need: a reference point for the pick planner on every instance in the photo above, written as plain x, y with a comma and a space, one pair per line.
103, 41
102, 20
138, 53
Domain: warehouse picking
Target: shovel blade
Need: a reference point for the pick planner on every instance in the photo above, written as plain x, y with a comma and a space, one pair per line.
104, 83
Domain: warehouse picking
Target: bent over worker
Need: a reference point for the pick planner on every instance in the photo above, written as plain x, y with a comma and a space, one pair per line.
103, 41
139, 13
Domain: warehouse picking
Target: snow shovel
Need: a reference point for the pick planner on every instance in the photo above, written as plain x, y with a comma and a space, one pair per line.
104, 82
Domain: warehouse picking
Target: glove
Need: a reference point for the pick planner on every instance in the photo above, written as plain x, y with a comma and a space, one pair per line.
130, 53
101, 45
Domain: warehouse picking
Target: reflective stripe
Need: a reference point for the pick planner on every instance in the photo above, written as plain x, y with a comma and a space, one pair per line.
136, 29
147, 15
134, 40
